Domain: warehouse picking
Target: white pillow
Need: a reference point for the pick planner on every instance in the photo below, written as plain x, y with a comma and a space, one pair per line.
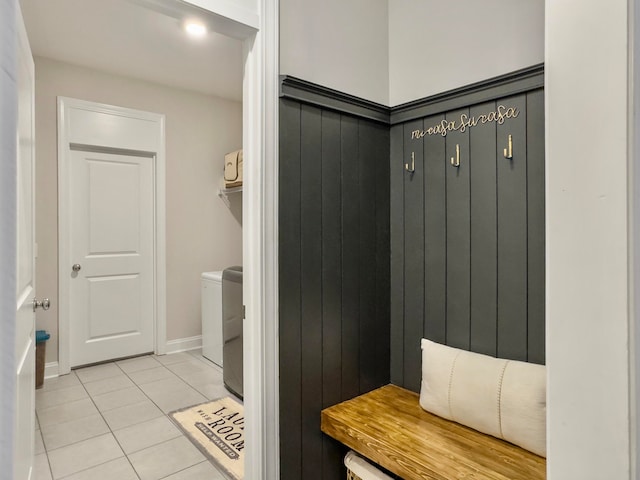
503, 398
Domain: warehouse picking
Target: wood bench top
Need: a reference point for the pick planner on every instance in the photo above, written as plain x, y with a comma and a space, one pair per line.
389, 427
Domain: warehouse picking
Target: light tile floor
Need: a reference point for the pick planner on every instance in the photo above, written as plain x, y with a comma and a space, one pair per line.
110, 421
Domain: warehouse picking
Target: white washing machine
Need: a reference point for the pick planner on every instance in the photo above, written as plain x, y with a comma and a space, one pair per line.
212, 339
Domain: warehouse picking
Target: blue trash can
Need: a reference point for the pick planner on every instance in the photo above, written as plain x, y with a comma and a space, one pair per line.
41, 344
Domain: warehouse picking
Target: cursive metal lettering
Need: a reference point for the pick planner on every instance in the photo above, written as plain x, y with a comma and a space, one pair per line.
499, 116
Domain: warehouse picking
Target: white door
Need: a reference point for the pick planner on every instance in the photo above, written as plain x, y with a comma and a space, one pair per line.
25, 318
111, 224
111, 295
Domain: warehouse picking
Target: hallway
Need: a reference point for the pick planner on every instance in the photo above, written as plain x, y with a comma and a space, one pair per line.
110, 421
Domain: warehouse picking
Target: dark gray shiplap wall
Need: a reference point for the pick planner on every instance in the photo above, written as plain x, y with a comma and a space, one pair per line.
372, 260
334, 276
467, 243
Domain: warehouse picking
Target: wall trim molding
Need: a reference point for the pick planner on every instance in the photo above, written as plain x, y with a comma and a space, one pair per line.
512, 83
314, 94
183, 344
51, 370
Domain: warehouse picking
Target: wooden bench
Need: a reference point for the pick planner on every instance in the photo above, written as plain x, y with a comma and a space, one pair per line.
389, 427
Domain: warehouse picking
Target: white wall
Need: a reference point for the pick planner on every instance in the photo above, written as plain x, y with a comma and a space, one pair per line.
435, 46
226, 7
338, 44
243, 13
587, 247
202, 233
392, 52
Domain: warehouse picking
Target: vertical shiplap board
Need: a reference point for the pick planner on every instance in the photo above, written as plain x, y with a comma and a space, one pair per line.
397, 160
334, 274
331, 283
331, 260
484, 225
458, 238
380, 145
350, 261
512, 234
435, 234
290, 335
483, 239
367, 256
536, 227
414, 255
311, 286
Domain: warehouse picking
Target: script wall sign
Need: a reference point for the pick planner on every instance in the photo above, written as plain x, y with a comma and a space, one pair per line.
465, 121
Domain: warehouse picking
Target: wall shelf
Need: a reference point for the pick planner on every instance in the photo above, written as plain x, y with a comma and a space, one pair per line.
224, 193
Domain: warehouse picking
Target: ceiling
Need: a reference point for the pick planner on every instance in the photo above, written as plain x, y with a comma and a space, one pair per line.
136, 38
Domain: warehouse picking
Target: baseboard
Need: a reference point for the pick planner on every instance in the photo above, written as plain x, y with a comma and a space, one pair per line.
184, 344
51, 370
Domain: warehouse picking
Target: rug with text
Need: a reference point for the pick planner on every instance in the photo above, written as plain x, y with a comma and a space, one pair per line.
217, 429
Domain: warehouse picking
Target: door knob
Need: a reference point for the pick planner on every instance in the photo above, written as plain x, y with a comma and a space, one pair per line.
76, 267
44, 304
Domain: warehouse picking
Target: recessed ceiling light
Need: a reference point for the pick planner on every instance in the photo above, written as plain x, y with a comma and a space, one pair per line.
196, 29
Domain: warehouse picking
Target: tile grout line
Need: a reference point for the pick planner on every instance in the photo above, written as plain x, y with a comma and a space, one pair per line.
112, 431
187, 468
166, 415
90, 438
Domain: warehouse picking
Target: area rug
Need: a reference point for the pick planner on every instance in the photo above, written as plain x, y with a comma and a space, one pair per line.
217, 429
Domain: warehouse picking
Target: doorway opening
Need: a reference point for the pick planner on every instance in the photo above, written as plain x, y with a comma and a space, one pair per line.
146, 62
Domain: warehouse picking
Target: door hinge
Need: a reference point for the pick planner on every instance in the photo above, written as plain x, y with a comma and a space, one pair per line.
244, 312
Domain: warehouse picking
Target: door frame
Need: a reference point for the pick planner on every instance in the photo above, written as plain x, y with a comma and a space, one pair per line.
260, 242
257, 26
157, 140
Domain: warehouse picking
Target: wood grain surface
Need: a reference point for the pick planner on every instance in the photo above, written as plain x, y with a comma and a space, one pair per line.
388, 426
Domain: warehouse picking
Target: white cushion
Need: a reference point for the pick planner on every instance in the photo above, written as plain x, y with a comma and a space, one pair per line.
524, 406
503, 398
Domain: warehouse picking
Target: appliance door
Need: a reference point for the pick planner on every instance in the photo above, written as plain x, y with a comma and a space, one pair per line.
232, 329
